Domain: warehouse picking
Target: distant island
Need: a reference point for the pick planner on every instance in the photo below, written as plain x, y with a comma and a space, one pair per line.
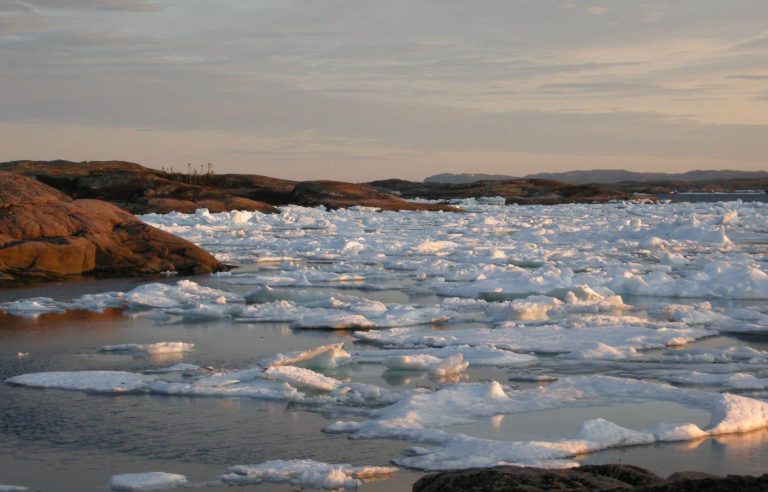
606, 176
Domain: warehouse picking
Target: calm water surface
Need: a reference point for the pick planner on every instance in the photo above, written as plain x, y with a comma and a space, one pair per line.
72, 441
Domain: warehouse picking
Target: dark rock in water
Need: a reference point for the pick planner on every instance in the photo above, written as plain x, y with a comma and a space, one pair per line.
132, 187
45, 235
336, 194
588, 477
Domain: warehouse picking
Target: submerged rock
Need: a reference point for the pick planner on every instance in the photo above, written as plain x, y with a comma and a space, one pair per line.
587, 477
45, 235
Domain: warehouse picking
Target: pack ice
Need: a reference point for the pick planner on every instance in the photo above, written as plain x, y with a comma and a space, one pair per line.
659, 294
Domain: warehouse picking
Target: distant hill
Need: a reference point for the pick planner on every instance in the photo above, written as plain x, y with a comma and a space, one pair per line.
451, 178
606, 176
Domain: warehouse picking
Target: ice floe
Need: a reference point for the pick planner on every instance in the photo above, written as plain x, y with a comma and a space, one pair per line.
95, 381
425, 418
150, 348
305, 473
146, 481
569, 337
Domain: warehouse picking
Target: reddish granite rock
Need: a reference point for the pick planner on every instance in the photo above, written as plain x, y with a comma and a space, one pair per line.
133, 187
44, 234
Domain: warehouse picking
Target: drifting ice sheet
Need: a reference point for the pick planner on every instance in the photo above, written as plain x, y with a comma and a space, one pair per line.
146, 481
305, 473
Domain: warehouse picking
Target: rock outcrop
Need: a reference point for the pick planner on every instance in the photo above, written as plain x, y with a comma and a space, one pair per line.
141, 190
132, 187
45, 235
336, 194
584, 478
516, 191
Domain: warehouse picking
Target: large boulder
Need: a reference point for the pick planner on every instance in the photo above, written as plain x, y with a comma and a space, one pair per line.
583, 478
46, 235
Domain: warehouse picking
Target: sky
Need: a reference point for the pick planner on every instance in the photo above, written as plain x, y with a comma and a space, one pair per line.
360, 90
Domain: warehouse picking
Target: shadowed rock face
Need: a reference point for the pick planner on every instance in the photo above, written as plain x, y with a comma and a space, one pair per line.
132, 187
45, 235
584, 478
336, 194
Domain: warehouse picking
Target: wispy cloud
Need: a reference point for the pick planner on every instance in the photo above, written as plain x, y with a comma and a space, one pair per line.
419, 83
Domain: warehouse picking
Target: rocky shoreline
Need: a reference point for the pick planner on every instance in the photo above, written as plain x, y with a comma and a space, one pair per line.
584, 478
45, 235
141, 190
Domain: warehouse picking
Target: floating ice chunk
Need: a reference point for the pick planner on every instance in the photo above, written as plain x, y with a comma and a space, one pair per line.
453, 364
534, 308
677, 432
582, 335
32, 308
331, 319
695, 314
305, 473
476, 356
449, 366
416, 362
298, 376
183, 293
98, 302
323, 357
270, 311
736, 381
146, 481
601, 351
514, 282
735, 278
151, 348
96, 381
717, 355
423, 416
258, 389
733, 413
180, 367
434, 246
360, 394
268, 294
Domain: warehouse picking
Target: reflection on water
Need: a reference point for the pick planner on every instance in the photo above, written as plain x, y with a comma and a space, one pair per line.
728, 454
565, 422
